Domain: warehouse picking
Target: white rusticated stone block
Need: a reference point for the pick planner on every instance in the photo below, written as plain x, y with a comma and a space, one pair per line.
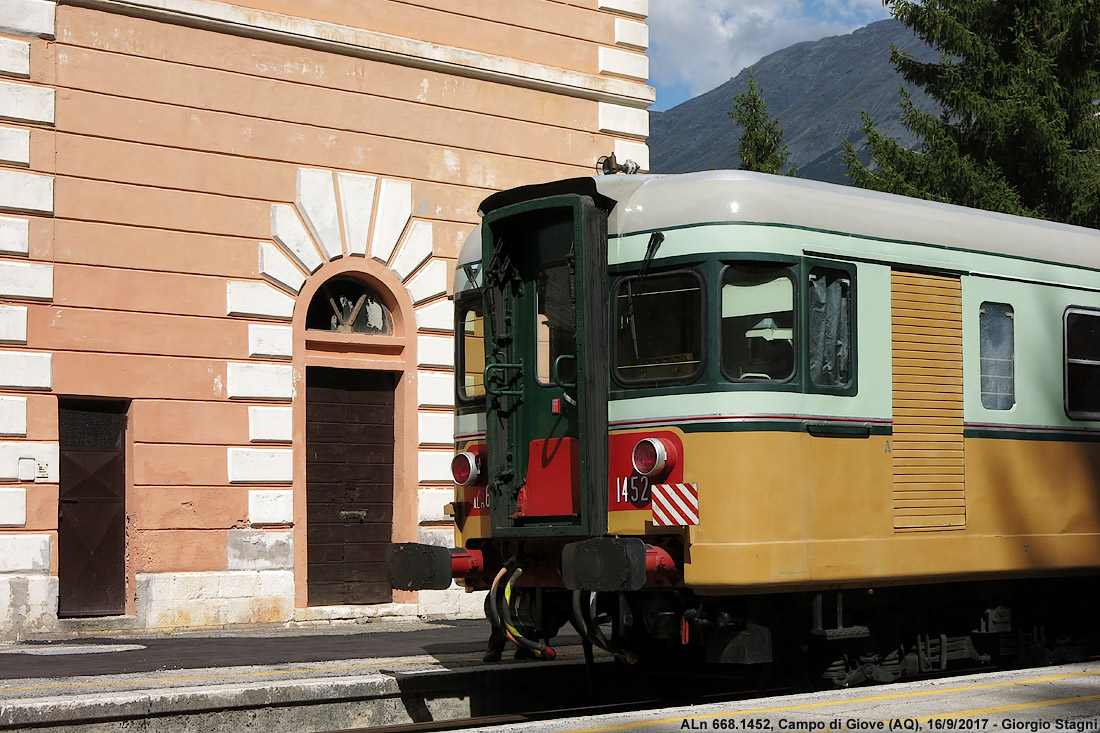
316, 199
259, 550
289, 231
245, 298
265, 340
430, 504
616, 62
436, 428
438, 536
13, 507
438, 316
434, 466
276, 584
270, 424
15, 235
22, 553
617, 119
21, 191
28, 17
436, 351
451, 603
238, 584
45, 460
15, 146
637, 8
435, 389
13, 324
630, 150
26, 103
15, 57
394, 210
13, 416
271, 507
26, 280
26, 370
275, 266
415, 249
259, 381
260, 465
28, 603
357, 208
632, 34
429, 282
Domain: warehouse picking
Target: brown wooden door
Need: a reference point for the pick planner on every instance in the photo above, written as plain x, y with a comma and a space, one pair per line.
91, 514
349, 484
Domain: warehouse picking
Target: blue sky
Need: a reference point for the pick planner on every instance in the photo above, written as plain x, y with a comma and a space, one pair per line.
695, 45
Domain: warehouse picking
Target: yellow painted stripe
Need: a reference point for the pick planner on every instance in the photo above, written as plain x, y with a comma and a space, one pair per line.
834, 703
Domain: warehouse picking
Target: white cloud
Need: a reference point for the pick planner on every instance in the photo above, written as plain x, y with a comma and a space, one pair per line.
699, 44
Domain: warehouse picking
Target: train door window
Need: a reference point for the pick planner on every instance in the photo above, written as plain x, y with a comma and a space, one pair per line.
997, 355
829, 322
659, 328
758, 323
471, 350
1082, 352
555, 324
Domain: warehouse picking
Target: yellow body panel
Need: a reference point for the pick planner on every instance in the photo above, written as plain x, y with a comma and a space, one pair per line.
823, 513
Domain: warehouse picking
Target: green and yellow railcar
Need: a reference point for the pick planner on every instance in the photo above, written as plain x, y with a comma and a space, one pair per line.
738, 414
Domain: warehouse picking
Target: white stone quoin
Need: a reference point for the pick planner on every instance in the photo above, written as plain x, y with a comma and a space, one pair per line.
25, 369
15, 57
24, 553
265, 340
28, 17
13, 507
27, 280
260, 465
14, 235
13, 416
256, 299
270, 507
13, 324
270, 424
259, 381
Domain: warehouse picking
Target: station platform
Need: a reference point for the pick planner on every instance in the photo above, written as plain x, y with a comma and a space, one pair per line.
386, 672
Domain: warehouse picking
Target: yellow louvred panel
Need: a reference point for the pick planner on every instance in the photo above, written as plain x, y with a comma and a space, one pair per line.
927, 445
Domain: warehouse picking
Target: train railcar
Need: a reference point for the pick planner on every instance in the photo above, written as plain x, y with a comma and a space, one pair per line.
751, 417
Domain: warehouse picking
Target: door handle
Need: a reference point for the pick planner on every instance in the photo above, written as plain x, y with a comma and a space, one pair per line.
490, 385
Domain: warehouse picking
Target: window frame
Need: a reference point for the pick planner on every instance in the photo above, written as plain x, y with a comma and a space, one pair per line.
798, 370
981, 356
463, 304
694, 271
808, 265
1092, 313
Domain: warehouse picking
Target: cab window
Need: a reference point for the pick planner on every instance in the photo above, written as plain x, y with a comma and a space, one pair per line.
471, 350
658, 328
758, 322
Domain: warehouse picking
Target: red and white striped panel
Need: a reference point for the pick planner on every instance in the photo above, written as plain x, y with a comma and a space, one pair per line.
675, 505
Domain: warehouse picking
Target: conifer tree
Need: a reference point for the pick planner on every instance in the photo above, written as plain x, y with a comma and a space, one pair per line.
761, 146
1018, 82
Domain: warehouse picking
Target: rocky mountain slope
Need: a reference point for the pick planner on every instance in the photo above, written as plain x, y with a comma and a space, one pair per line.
815, 88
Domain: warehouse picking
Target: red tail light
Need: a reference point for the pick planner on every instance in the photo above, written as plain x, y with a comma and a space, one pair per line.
651, 457
464, 468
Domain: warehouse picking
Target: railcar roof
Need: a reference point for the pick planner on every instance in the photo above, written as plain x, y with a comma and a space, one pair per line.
651, 202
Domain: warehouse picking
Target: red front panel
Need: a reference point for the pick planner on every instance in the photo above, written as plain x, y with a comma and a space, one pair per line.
627, 489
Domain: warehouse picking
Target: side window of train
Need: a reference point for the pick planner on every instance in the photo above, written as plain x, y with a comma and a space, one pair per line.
658, 328
758, 322
471, 353
997, 355
1082, 354
829, 327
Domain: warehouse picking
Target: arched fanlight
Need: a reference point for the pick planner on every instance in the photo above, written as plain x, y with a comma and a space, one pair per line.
347, 305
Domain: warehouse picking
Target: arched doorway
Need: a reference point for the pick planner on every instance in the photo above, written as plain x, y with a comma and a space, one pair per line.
350, 443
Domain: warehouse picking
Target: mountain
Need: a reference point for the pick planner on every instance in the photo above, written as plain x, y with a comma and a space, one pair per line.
816, 89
